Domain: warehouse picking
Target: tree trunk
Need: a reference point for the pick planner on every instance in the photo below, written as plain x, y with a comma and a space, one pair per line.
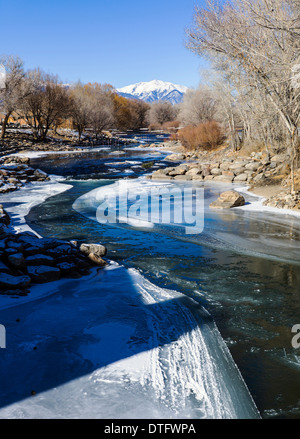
294, 158
4, 125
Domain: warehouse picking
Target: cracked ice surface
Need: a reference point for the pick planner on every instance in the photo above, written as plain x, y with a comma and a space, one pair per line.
116, 346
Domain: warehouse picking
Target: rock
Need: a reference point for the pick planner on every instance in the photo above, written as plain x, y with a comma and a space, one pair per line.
15, 245
225, 178
10, 251
33, 250
259, 178
39, 259
97, 260
160, 176
283, 169
66, 267
241, 177
40, 174
228, 174
9, 282
17, 160
2, 244
253, 166
3, 228
175, 157
96, 249
8, 188
280, 158
237, 167
61, 250
42, 273
17, 260
179, 170
224, 166
216, 171
4, 268
183, 177
4, 217
228, 200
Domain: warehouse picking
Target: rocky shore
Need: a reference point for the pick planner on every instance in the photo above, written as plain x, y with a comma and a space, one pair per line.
257, 170
26, 259
15, 172
21, 141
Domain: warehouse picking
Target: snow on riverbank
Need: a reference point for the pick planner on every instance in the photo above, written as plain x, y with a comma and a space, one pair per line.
258, 206
18, 204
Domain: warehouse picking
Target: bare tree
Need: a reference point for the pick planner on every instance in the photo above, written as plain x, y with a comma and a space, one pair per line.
10, 92
256, 38
198, 106
161, 112
80, 109
100, 107
45, 103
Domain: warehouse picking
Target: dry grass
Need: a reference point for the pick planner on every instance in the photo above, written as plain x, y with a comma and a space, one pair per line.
206, 135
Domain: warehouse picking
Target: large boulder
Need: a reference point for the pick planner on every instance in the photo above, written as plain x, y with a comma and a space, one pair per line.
96, 249
216, 171
97, 260
176, 157
42, 273
194, 171
40, 259
183, 177
41, 175
9, 282
241, 177
17, 260
227, 200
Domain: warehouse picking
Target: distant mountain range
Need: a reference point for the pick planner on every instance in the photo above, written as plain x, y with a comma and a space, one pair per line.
154, 91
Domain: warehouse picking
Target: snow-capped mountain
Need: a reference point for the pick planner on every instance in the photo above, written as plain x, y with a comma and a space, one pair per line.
154, 91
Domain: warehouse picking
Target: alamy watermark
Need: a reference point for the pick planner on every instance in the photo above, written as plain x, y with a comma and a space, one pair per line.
296, 338
2, 337
151, 206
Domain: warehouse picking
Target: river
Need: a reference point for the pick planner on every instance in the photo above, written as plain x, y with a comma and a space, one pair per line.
217, 307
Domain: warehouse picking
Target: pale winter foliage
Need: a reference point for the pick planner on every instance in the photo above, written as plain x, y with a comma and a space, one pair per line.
162, 112
259, 41
45, 102
198, 106
11, 90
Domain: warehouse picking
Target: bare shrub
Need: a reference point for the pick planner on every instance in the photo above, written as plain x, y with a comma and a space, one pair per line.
207, 135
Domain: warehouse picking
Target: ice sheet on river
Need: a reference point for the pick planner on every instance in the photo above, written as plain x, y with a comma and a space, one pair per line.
116, 346
252, 229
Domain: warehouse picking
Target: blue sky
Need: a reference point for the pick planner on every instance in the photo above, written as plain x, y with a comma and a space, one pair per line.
120, 42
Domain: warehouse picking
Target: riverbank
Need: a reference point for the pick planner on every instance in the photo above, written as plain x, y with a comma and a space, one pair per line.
27, 259
21, 140
268, 177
